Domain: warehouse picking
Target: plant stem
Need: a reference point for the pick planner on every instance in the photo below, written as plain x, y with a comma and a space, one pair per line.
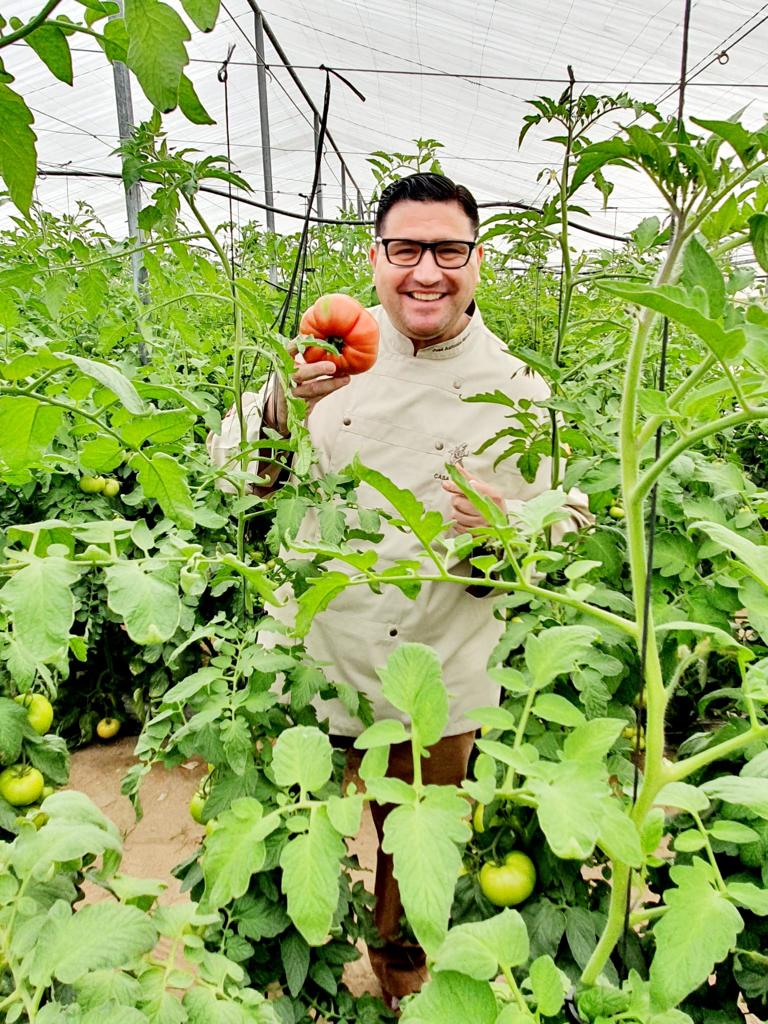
31, 25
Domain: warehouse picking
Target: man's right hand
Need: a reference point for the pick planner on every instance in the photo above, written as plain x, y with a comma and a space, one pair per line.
311, 381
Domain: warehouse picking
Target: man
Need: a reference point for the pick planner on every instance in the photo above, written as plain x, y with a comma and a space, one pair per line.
406, 418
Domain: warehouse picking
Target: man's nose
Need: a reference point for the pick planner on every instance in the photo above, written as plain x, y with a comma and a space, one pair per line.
427, 270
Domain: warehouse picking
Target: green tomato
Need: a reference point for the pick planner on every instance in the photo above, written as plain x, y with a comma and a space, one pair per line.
39, 711
92, 484
111, 488
21, 785
616, 512
196, 805
510, 883
477, 818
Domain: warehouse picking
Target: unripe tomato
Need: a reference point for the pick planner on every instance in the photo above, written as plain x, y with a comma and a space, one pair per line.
39, 711
111, 488
92, 484
21, 785
477, 818
510, 883
107, 728
616, 512
196, 805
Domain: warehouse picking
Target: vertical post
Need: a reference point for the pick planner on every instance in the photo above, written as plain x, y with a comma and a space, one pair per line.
343, 187
360, 210
319, 193
266, 151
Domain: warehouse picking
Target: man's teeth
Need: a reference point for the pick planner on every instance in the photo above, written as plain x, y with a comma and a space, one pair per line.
427, 296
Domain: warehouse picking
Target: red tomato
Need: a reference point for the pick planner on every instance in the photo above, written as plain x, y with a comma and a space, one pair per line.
341, 321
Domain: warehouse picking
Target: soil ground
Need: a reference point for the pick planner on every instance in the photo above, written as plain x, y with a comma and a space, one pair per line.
167, 835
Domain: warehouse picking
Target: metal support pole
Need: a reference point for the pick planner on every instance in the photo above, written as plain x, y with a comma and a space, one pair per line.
343, 188
266, 151
319, 192
360, 210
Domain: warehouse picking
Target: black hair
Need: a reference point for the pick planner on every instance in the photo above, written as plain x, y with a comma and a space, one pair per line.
427, 188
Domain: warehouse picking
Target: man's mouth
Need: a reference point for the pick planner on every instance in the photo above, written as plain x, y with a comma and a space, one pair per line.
426, 296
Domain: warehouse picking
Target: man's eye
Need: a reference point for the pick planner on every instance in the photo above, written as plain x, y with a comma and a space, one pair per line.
405, 249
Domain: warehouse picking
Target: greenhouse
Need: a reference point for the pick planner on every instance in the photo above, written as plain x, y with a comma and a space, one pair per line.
384, 512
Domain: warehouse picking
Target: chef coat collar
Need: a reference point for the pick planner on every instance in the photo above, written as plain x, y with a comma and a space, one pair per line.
446, 349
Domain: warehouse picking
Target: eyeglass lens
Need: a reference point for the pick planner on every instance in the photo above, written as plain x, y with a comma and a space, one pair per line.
406, 253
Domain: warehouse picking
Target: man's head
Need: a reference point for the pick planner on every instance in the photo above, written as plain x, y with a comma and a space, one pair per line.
426, 300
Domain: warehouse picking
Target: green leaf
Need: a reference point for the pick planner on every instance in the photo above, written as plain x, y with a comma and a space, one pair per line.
50, 44
202, 12
190, 104
684, 796
112, 379
345, 813
619, 836
412, 680
733, 832
554, 708
27, 428
758, 236
302, 757
547, 984
746, 792
698, 931
382, 734
591, 741
572, 800
674, 303
294, 954
482, 948
426, 841
13, 718
147, 603
740, 140
311, 867
750, 896
158, 427
98, 935
318, 595
452, 997
156, 51
557, 651
235, 850
165, 480
18, 155
754, 556
426, 525
101, 454
700, 270
40, 599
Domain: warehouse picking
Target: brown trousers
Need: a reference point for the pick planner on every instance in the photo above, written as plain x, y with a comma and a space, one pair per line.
398, 963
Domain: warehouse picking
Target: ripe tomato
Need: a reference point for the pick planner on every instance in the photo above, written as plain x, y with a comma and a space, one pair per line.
92, 484
342, 321
39, 711
196, 805
510, 883
107, 728
111, 488
21, 785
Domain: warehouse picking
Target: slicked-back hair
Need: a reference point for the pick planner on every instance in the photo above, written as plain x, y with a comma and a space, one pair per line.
427, 188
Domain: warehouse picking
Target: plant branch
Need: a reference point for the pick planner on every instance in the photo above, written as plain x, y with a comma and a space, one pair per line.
31, 25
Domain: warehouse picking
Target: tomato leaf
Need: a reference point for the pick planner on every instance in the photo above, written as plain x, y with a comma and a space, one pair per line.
51, 46
13, 718
412, 680
698, 930
146, 602
311, 865
556, 651
302, 757
451, 996
27, 428
235, 850
202, 12
572, 799
164, 479
18, 155
40, 599
480, 949
426, 841
156, 51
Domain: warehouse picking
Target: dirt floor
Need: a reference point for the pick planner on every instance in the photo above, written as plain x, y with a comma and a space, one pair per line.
167, 835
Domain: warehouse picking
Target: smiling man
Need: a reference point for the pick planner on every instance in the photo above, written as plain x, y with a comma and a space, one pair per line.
406, 417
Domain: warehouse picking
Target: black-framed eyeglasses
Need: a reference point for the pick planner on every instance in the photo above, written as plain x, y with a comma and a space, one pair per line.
450, 254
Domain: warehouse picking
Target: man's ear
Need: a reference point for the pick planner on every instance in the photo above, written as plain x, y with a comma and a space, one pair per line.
372, 255
480, 252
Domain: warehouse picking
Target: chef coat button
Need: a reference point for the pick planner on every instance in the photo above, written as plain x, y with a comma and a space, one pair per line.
393, 632
457, 384
346, 421
439, 445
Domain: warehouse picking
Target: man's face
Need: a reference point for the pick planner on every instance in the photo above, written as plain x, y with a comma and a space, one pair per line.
426, 303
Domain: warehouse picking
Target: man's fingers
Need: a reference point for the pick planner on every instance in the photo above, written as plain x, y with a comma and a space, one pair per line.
309, 371
319, 388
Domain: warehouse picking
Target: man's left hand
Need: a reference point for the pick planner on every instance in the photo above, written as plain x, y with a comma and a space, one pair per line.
464, 513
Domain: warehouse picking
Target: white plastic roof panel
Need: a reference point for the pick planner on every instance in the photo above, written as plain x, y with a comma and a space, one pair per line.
418, 64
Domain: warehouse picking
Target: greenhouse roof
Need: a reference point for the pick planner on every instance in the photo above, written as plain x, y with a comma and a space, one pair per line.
457, 73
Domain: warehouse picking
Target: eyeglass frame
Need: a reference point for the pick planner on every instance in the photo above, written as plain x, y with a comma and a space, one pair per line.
427, 247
